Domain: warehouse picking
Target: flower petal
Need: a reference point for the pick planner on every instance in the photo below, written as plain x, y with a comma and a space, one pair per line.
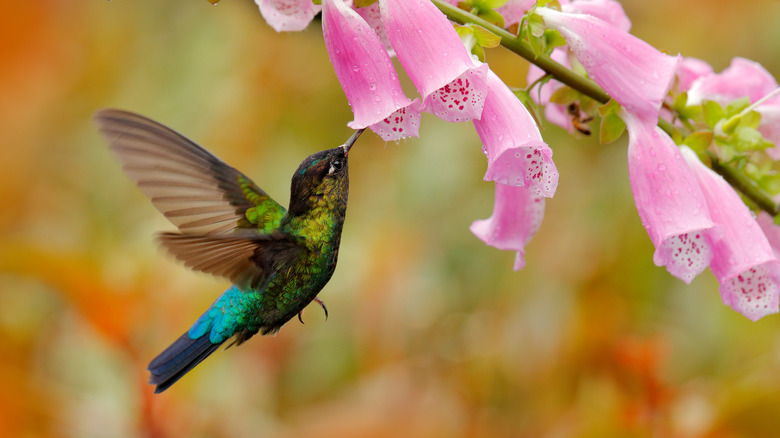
668, 199
743, 260
516, 153
631, 71
374, 19
609, 11
514, 10
743, 78
367, 75
288, 15
688, 70
452, 86
517, 216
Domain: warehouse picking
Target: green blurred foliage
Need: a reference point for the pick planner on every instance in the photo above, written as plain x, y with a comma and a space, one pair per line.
431, 333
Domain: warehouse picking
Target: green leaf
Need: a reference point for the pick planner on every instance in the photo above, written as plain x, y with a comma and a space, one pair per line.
492, 17
751, 119
699, 141
564, 96
489, 4
713, 113
749, 139
611, 128
486, 38
736, 106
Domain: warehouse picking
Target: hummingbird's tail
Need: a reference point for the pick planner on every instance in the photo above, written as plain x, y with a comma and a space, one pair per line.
178, 359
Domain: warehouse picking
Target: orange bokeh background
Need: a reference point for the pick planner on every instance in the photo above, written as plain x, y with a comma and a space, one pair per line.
430, 332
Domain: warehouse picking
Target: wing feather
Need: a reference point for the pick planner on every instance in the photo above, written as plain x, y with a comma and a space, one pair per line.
195, 190
248, 260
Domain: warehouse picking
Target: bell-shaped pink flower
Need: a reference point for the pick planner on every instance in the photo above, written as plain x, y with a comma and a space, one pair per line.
516, 153
668, 199
517, 214
288, 15
742, 261
631, 71
367, 75
452, 85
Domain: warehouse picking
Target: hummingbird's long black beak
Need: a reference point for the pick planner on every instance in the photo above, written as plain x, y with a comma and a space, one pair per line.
348, 145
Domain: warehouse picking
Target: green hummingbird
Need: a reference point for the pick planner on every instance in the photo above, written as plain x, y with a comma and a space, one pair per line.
277, 260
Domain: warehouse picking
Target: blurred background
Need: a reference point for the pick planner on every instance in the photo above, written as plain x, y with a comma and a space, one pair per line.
431, 334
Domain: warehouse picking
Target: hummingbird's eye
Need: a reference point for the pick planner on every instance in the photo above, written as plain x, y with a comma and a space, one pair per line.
335, 165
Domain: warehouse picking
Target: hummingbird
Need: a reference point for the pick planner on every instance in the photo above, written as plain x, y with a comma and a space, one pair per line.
277, 259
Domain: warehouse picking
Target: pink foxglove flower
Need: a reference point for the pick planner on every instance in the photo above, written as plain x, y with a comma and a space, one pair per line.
743, 261
743, 78
451, 84
367, 75
668, 199
631, 71
288, 15
517, 215
609, 11
516, 153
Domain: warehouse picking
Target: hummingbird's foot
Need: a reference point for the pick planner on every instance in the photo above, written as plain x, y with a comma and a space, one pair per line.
319, 301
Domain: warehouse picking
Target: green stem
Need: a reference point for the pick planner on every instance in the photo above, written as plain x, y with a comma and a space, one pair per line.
589, 88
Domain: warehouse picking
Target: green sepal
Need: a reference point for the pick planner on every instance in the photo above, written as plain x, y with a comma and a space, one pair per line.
552, 4
479, 52
525, 98
535, 25
611, 128
484, 5
713, 113
736, 106
486, 38
564, 96
611, 107
492, 17
699, 141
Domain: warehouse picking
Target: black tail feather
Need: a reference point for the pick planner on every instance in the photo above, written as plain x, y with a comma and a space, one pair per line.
178, 359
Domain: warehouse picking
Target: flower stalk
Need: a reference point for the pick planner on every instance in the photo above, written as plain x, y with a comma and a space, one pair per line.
592, 90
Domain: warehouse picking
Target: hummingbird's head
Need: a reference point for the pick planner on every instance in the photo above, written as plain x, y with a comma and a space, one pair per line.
322, 179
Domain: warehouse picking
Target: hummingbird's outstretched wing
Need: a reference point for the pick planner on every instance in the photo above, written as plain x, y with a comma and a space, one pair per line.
248, 259
196, 191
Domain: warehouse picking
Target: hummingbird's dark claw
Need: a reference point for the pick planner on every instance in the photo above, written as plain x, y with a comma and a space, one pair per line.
319, 301
299, 317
